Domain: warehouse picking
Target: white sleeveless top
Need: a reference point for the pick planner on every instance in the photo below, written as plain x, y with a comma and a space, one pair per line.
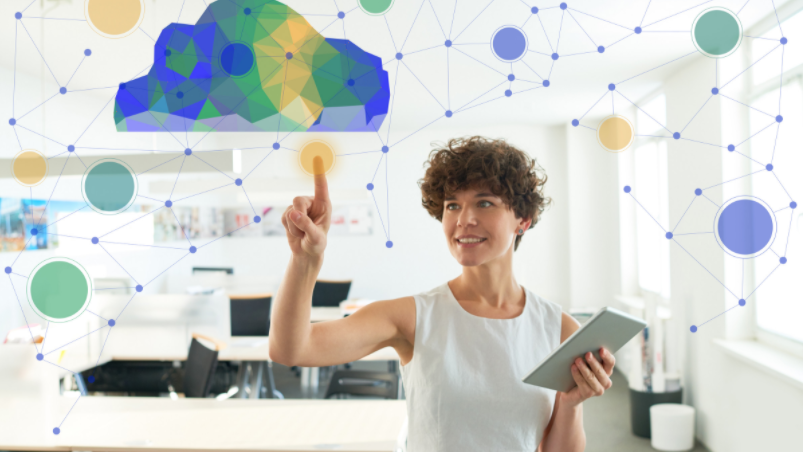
463, 386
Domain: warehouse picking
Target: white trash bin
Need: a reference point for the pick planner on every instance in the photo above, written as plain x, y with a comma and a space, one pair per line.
672, 427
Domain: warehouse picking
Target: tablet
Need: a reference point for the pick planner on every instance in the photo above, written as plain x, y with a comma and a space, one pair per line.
609, 328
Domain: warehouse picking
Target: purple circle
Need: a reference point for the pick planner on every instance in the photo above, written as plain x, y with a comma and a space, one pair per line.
350, 82
449, 113
34, 231
122, 85
12, 121
693, 328
508, 93
56, 430
257, 219
18, 15
276, 146
545, 83
341, 15
637, 30
70, 148
779, 118
399, 56
448, 43
714, 91
168, 203
511, 77
247, 11
601, 49
180, 94
534, 10
563, 5
627, 188
669, 235
289, 55
769, 167
112, 322
139, 288
370, 186
40, 356
676, 135
238, 182
783, 260
87, 52
167, 52
745, 227
90, 379
792, 204
95, 240
509, 43
193, 249
731, 148
575, 122
742, 302
188, 151
698, 192
63, 90
389, 244
555, 56
385, 149
611, 86
784, 41
8, 270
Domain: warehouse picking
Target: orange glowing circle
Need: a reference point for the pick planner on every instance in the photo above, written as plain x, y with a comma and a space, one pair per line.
615, 133
316, 148
114, 18
29, 167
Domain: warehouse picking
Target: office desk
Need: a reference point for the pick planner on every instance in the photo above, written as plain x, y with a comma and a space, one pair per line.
161, 424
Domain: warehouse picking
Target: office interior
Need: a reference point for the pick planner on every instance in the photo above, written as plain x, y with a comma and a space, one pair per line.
185, 364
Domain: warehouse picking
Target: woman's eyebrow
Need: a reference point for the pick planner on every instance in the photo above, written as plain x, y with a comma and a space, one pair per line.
478, 195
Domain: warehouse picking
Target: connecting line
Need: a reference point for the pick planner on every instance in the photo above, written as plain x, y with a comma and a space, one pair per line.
784, 188
104, 346
118, 263
281, 101
478, 61
224, 235
620, 40
76, 71
14, 86
387, 193
454, 13
93, 313
143, 216
40, 53
762, 282
168, 268
533, 70
377, 167
673, 15
723, 312
74, 340
788, 233
490, 100
255, 166
214, 167
395, 49
412, 25
34, 108
709, 199
751, 136
780, 83
472, 20
249, 202
436, 19
205, 191
80, 159
545, 34
65, 216
740, 9
157, 166
774, 9
598, 18
355, 153
704, 268
703, 142
141, 244
54, 190
73, 406
422, 128
595, 104
37, 133
645, 12
390, 116
740, 177
44, 339
126, 305
560, 29
684, 213
656, 67
448, 82
378, 212
146, 34
181, 227
648, 115
177, 176
93, 121
647, 211
748, 67
23, 313
695, 115
748, 106
581, 27
422, 84
481, 95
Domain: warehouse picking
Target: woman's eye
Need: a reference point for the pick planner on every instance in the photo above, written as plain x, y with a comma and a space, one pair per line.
450, 206
485, 203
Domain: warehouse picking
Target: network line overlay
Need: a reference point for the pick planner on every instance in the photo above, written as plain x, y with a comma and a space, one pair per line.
257, 65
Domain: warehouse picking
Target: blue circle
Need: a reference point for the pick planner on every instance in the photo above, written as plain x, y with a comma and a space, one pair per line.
34, 231
555, 56
370, 186
247, 11
180, 94
350, 82
676, 135
122, 85
627, 188
449, 113
601, 49
784, 41
511, 77
731, 148
87, 52
18, 15
12, 121
341, 15
742, 302
769, 167
385, 149
40, 356
237, 59
448, 43
238, 182
289, 55
90, 379
779, 118
783, 260
508, 93
168, 203
534, 10
276, 146
399, 56
167, 52
70, 148
693, 328
669, 235
257, 219
389, 244
63, 90
188, 151
563, 5
111, 322
793, 204
715, 91
56, 430
611, 87
8, 270
637, 30
698, 192
193, 249
139, 288
545, 83
745, 227
95, 240
575, 122
509, 43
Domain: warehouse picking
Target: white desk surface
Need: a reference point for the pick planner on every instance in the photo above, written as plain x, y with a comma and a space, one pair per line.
161, 424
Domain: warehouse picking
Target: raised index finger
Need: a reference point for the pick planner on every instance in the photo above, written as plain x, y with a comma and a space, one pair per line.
321, 187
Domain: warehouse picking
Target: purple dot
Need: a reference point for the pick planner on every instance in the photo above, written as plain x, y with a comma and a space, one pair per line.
257, 219
448, 43
638, 30
56, 430
783, 260
193, 249
63, 90
40, 356
289, 55
238, 182
731, 148
12, 121
139, 288
70, 148
8, 270
627, 188
693, 328
247, 11
511, 77
168, 203
87, 52
167, 52
715, 91
122, 85
769, 167
111, 322
276, 146
784, 41
385, 149
389, 244
779, 118
95, 240
399, 56
669, 235
350, 82
575, 122
509, 43
18, 15
449, 113
545, 83
742, 302
341, 15
188, 151
611, 87
676, 135
508, 93
563, 5
90, 379
370, 186
744, 227
555, 56
792, 204
179, 94
698, 192
601, 49
34, 231
534, 10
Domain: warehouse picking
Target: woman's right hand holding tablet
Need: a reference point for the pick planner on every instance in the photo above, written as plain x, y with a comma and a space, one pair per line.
307, 220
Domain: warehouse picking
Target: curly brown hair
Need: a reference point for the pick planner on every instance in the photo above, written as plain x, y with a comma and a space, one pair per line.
481, 163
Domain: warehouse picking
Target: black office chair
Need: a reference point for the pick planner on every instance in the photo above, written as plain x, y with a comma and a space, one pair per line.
250, 314
330, 293
356, 382
200, 366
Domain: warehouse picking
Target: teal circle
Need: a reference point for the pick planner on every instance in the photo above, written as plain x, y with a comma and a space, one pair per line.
717, 32
59, 290
109, 186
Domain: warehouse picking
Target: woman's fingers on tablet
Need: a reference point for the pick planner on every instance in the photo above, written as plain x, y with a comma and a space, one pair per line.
608, 360
599, 371
590, 378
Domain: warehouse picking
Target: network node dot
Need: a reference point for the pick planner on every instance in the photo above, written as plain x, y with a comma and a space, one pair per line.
70, 148
783, 260
188, 151
714, 91
399, 56
168, 203
247, 11
12, 121
615, 133
109, 185
90, 379
350, 82
180, 94
769, 167
18, 15
316, 157
289, 55
40, 356
534, 10
193, 249
61, 279
115, 19
167, 52
385, 149
779, 118
8, 270
122, 85
138, 288
698, 192
575, 122
56, 430
745, 227
693, 328
511, 77
637, 30
238, 182
63, 90
792, 204
341, 14
375, 7
276, 146
627, 189
742, 302
784, 41
389, 244
448, 43
731, 148
111, 322
555, 56
370, 186
237, 59
545, 83
257, 219
509, 43
716, 32
611, 86
669, 235
449, 113
508, 93
34, 231
676, 135
95, 240
601, 49
563, 5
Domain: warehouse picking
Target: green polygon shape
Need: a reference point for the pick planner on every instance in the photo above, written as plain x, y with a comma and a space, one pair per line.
717, 32
59, 289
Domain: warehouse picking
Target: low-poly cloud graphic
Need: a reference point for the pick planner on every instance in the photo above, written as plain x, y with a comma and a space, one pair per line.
254, 65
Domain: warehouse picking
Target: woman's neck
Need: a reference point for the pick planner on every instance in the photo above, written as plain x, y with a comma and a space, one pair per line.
491, 284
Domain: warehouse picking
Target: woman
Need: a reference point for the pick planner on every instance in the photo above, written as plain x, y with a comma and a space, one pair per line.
464, 346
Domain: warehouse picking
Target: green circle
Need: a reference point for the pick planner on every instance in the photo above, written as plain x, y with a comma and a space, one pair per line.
376, 7
717, 33
58, 290
109, 186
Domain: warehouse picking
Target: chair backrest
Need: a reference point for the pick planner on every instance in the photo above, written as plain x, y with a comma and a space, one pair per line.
200, 367
226, 270
357, 382
330, 293
250, 314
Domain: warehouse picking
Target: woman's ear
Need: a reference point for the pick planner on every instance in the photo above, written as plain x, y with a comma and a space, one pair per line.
525, 223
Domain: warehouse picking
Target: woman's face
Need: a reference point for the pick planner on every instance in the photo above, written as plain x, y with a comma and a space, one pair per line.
479, 227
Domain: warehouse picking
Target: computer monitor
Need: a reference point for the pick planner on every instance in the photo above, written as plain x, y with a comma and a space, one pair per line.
330, 293
250, 315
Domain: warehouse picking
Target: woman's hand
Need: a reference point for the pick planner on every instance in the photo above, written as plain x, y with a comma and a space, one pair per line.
307, 220
591, 376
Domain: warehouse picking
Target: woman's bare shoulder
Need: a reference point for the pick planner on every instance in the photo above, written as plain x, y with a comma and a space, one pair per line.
568, 325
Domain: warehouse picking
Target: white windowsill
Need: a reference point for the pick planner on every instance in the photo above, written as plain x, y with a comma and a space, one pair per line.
785, 366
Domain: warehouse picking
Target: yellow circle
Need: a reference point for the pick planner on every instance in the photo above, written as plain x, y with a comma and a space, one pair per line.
114, 18
615, 133
29, 167
316, 148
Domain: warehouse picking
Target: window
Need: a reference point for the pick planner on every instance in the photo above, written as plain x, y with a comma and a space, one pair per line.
767, 68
